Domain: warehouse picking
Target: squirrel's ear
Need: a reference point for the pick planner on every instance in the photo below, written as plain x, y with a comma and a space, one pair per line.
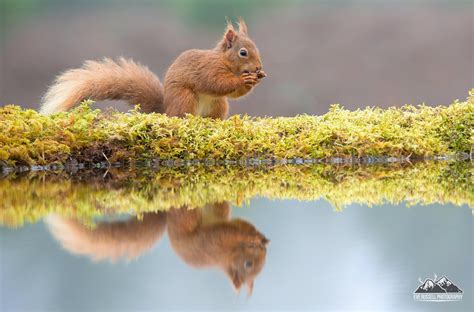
242, 26
236, 280
229, 37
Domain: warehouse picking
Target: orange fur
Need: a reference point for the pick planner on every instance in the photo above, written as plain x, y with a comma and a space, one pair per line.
198, 82
107, 80
202, 237
208, 238
109, 240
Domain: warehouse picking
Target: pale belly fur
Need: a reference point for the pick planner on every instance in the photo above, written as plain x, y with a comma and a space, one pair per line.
205, 104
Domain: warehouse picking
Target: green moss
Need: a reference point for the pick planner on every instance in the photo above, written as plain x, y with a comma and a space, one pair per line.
32, 196
28, 138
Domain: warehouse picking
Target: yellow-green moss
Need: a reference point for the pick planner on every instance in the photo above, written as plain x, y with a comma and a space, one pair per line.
32, 196
86, 135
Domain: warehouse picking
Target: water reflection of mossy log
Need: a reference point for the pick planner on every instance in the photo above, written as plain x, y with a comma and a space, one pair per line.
30, 197
28, 138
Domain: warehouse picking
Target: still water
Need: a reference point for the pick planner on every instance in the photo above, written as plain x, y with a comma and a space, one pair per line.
303, 237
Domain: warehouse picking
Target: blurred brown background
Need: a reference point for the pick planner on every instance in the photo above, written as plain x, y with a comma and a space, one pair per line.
356, 53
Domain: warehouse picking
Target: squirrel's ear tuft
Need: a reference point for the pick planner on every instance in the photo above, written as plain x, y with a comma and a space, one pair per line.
229, 24
242, 26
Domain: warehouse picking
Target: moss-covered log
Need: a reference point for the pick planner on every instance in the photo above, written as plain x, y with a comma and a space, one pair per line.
28, 138
28, 197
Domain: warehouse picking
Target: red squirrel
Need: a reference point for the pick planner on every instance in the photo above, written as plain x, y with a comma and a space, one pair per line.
198, 82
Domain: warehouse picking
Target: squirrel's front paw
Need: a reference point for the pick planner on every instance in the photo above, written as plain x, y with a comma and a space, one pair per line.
250, 79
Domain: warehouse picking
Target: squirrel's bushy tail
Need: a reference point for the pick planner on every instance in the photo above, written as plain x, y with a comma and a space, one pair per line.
109, 240
105, 80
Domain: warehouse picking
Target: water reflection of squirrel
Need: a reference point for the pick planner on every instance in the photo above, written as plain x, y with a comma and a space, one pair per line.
201, 237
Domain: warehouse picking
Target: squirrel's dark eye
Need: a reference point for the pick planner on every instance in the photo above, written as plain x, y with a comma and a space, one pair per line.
243, 52
248, 264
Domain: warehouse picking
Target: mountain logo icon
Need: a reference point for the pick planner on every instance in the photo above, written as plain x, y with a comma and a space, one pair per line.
437, 290
429, 286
